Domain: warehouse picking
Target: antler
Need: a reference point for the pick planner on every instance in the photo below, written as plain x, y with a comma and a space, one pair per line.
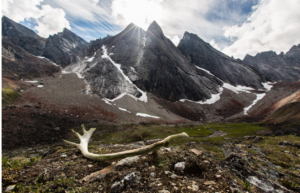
84, 140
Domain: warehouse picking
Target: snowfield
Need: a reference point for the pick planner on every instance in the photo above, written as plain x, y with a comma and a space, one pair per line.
146, 115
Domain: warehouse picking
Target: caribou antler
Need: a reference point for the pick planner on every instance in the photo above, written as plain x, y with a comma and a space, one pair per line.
84, 140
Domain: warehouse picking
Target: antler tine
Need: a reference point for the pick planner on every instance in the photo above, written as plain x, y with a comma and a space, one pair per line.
83, 129
71, 143
77, 134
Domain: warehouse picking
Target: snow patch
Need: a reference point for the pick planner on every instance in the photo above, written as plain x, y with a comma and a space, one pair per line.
133, 69
106, 102
146, 115
214, 98
40, 86
42, 57
32, 81
91, 58
77, 73
124, 110
237, 89
118, 66
258, 97
268, 85
204, 70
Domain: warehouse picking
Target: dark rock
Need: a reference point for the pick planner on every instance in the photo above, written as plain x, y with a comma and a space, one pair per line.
126, 182
203, 55
278, 133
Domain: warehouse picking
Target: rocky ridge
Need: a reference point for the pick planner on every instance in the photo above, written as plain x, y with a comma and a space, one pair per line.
273, 67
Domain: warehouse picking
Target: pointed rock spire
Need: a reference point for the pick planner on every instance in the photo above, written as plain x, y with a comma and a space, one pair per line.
155, 29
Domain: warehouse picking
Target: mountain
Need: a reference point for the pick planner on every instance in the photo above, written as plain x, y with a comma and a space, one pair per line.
65, 48
273, 67
22, 36
203, 55
148, 61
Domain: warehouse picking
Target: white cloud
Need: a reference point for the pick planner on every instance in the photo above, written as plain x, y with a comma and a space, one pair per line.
18, 10
174, 39
273, 25
141, 12
52, 21
214, 44
94, 12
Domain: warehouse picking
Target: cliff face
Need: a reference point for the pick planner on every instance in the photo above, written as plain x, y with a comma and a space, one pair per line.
203, 55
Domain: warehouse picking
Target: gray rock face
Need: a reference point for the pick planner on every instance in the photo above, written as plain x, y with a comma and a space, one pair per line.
65, 48
203, 55
22, 36
273, 67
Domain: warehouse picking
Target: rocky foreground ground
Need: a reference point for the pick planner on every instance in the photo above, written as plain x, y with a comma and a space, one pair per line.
213, 159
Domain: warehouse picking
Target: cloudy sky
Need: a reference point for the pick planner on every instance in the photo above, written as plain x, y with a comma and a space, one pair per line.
235, 27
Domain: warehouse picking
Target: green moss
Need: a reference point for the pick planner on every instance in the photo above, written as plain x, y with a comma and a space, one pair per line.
9, 96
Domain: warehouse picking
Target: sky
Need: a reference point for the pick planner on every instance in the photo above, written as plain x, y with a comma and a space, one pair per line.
235, 27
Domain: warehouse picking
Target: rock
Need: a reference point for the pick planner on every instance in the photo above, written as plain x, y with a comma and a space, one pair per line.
285, 143
195, 188
167, 172
209, 183
63, 155
218, 176
266, 185
196, 152
9, 188
174, 176
218, 134
180, 166
56, 128
129, 179
163, 191
278, 133
257, 138
116, 187
90, 166
152, 174
205, 162
127, 161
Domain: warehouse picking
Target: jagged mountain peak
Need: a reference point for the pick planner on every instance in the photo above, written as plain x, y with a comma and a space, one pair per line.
155, 29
